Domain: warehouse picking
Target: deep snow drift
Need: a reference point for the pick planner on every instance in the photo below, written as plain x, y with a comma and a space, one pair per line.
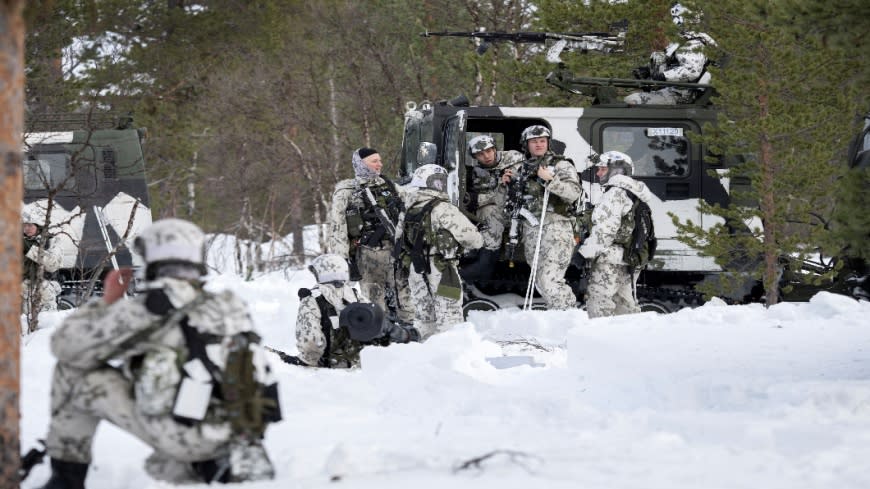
716, 397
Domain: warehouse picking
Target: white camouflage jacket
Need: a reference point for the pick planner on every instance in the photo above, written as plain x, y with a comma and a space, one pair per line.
607, 218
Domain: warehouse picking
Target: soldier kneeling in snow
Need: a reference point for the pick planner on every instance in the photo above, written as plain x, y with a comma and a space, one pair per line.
335, 321
191, 381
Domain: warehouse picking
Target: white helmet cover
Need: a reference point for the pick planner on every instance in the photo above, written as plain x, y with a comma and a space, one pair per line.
536, 131
330, 268
480, 143
616, 162
430, 176
172, 240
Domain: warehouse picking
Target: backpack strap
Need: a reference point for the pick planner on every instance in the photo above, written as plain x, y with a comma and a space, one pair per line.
326, 311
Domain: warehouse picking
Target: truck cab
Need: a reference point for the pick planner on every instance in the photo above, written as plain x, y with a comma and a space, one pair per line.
90, 184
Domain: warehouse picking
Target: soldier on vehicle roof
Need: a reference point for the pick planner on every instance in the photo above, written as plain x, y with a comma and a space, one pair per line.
361, 226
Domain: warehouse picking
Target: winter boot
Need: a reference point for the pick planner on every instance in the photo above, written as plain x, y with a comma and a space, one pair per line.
66, 475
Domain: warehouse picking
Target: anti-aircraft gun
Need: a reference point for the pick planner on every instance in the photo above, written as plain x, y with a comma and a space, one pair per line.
85, 174
678, 170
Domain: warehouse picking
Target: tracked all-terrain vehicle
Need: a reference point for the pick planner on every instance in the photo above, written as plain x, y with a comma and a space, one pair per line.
678, 171
85, 176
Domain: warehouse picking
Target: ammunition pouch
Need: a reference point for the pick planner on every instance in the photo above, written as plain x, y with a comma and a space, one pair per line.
450, 285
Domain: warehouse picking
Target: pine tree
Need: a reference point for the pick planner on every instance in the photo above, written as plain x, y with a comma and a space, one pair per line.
785, 109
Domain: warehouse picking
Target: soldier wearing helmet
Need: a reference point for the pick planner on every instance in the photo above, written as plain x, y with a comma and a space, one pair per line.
160, 340
487, 194
40, 259
611, 288
434, 232
682, 61
362, 216
555, 178
321, 340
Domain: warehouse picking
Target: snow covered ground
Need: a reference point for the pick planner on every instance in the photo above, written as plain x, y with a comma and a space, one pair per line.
716, 397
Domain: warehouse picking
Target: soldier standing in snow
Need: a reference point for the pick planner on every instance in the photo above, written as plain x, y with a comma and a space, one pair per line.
168, 342
321, 340
682, 61
432, 233
41, 259
611, 289
363, 214
554, 177
488, 193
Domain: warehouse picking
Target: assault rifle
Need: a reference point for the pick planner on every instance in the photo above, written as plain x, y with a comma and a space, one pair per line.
604, 42
516, 206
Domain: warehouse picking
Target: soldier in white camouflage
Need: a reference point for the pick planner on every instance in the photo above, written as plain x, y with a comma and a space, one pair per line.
435, 232
321, 340
612, 284
356, 231
558, 175
162, 391
682, 61
488, 193
41, 259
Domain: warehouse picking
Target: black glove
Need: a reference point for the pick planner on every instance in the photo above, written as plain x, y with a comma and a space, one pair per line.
400, 333
353, 271
641, 73
157, 302
578, 260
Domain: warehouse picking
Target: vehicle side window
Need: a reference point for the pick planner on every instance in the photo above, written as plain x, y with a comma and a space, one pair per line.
47, 171
656, 151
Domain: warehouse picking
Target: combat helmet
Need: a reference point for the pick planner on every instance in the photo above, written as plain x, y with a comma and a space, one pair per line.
480, 143
430, 176
171, 242
330, 267
617, 163
536, 131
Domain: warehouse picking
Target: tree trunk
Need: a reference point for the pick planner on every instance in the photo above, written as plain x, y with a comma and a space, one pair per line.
11, 188
768, 209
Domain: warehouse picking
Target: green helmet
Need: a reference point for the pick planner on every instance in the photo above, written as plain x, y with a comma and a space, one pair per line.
480, 143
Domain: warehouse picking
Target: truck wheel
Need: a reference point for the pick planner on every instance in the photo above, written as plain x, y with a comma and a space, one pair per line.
660, 307
64, 304
478, 305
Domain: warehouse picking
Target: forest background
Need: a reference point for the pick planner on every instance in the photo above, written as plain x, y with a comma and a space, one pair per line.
253, 107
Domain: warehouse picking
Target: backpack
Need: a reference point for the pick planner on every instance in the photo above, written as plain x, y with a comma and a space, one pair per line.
240, 389
413, 245
641, 248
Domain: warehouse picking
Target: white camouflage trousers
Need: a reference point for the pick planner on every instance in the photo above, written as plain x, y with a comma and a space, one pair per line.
492, 219
432, 312
80, 399
376, 268
47, 291
611, 291
554, 257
